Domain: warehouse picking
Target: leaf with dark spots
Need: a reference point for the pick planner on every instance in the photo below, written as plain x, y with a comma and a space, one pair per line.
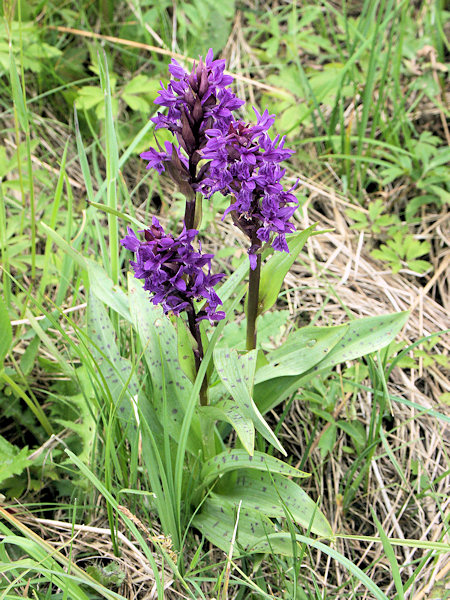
231, 460
233, 366
367, 335
105, 341
305, 348
269, 492
217, 524
228, 411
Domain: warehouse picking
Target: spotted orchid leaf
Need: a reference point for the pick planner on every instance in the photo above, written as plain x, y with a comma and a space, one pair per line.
364, 336
303, 349
272, 495
260, 496
237, 374
217, 523
316, 348
231, 460
227, 410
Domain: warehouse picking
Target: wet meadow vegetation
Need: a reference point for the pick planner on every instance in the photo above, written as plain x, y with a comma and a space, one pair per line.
224, 300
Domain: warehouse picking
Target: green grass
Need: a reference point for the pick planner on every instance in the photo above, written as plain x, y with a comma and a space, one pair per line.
357, 94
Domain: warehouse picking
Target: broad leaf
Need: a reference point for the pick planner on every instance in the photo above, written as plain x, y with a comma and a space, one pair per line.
272, 392
100, 330
109, 293
237, 374
231, 460
268, 493
217, 523
121, 381
185, 352
303, 349
12, 459
228, 411
317, 348
364, 336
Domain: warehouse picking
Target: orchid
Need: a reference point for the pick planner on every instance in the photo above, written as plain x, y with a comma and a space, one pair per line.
173, 271
245, 162
195, 102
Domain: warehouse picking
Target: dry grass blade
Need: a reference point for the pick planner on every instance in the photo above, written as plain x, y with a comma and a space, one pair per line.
157, 50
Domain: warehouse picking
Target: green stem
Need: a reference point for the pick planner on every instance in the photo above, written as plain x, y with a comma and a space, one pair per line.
4, 253
198, 352
252, 303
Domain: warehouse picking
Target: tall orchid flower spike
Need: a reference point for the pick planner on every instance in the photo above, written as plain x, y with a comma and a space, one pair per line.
195, 102
173, 271
244, 162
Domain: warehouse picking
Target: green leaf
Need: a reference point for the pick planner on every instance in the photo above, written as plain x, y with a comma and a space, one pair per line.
65, 246
364, 336
303, 349
108, 111
121, 380
142, 85
227, 410
275, 269
271, 392
390, 555
355, 430
237, 373
105, 290
231, 460
88, 97
419, 266
136, 102
85, 427
327, 440
6, 331
324, 347
282, 543
17, 94
266, 492
29, 356
101, 331
217, 523
186, 343
12, 460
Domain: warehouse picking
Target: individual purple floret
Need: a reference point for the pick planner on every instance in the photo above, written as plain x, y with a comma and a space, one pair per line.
172, 271
244, 162
195, 102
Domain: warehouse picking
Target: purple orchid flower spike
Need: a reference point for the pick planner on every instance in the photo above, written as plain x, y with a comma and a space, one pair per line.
195, 102
173, 271
245, 162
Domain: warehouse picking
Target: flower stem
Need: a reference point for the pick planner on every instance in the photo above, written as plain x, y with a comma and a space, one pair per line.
252, 303
198, 352
189, 215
